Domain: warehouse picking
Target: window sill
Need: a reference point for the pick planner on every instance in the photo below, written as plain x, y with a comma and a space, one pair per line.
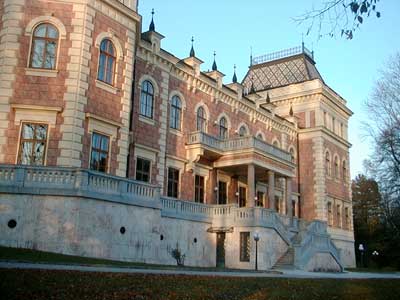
176, 132
147, 120
41, 72
106, 87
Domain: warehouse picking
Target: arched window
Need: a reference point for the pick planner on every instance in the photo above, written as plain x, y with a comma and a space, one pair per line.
147, 99
275, 144
107, 62
44, 47
175, 113
223, 128
260, 136
344, 171
243, 131
336, 161
201, 119
327, 164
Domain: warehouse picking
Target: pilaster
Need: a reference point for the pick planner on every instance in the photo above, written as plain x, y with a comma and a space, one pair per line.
163, 128
13, 13
76, 86
319, 178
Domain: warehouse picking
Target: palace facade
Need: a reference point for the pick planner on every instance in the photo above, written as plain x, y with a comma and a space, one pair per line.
112, 147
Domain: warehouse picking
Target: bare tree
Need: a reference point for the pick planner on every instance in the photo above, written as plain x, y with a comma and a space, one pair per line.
338, 16
383, 127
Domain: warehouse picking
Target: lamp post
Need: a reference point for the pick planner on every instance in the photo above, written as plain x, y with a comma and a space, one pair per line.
361, 248
256, 239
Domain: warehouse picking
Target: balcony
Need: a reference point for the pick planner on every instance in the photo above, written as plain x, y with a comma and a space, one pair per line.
218, 146
38, 180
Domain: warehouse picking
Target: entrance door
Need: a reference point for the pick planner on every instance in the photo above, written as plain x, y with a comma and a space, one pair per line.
242, 196
220, 249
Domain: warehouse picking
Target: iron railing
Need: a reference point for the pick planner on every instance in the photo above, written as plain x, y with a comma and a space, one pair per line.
281, 54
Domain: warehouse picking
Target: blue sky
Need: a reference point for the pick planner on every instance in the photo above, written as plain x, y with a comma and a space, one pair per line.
231, 27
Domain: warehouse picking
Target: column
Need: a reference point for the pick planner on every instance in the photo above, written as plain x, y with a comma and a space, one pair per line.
214, 185
289, 206
271, 189
250, 185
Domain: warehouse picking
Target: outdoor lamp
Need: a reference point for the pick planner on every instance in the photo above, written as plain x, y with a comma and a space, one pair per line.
256, 239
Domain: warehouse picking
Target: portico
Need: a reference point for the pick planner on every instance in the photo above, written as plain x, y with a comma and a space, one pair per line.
252, 172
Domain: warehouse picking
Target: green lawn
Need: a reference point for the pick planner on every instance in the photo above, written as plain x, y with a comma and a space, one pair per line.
41, 284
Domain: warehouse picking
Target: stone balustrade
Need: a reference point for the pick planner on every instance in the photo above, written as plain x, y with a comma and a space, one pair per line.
238, 143
77, 182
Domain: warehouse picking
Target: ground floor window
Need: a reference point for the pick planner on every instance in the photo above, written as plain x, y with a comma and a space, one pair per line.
199, 189
32, 148
222, 192
245, 246
330, 215
143, 169
173, 182
99, 153
293, 208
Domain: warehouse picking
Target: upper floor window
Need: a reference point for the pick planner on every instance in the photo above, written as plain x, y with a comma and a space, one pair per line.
44, 47
243, 131
201, 119
344, 171
260, 136
175, 113
223, 128
147, 99
99, 155
327, 164
32, 148
336, 168
107, 62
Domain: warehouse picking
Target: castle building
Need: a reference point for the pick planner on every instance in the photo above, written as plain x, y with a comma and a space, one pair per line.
112, 147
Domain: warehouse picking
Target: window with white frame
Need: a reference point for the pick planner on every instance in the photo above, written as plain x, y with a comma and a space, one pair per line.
175, 113
199, 189
44, 47
147, 99
201, 119
243, 131
327, 163
107, 61
173, 183
99, 153
223, 128
143, 169
33, 144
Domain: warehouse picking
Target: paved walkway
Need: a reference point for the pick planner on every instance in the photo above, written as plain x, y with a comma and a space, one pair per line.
285, 273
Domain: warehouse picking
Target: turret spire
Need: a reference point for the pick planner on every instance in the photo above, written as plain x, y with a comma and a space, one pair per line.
234, 78
152, 27
192, 53
214, 66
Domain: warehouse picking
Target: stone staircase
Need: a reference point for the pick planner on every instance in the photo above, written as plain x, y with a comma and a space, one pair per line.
286, 261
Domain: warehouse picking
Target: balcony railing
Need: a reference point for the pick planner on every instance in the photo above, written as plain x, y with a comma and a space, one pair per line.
238, 143
76, 181
281, 54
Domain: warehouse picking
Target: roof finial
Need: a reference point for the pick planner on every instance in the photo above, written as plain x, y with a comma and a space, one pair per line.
268, 98
152, 27
302, 42
251, 56
192, 53
214, 66
291, 110
234, 78
312, 50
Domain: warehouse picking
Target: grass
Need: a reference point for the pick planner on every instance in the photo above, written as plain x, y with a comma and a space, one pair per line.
35, 256
65, 285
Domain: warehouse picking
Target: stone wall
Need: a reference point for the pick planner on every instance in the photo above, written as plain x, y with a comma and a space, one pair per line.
92, 228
